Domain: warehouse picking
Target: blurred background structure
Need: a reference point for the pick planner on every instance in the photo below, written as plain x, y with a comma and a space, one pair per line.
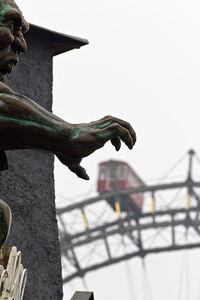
148, 219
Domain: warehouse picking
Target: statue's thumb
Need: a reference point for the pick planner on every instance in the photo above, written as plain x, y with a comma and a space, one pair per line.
79, 171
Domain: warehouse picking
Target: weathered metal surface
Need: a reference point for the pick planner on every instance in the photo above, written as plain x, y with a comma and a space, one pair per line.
26, 125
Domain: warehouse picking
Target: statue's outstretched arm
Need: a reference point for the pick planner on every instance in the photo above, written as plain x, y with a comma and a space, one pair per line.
26, 125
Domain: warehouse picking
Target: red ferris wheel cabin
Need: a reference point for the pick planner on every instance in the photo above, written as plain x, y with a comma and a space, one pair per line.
117, 175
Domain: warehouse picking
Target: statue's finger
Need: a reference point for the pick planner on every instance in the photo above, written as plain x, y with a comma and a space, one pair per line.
116, 142
102, 123
79, 171
127, 125
108, 120
116, 130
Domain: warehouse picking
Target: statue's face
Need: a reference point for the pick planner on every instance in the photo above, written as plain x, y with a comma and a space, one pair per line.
12, 42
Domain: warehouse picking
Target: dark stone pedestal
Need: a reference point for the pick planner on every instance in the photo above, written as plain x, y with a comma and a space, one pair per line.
28, 185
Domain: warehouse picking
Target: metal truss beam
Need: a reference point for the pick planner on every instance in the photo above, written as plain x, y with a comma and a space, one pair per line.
129, 256
143, 189
123, 220
123, 227
124, 230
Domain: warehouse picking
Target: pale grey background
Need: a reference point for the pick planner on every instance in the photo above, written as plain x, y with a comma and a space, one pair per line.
143, 65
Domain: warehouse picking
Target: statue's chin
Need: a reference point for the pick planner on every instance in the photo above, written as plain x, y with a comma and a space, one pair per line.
7, 69
2, 79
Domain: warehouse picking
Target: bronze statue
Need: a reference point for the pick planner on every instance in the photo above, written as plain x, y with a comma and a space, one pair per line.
26, 125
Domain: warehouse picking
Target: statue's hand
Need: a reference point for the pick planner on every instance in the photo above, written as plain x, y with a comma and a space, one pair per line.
86, 138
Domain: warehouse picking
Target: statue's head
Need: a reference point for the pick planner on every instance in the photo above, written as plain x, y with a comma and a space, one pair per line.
12, 29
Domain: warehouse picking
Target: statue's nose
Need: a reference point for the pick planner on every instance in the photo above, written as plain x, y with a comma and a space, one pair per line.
19, 43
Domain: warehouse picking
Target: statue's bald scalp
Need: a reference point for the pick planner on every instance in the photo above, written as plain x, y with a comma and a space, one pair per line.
6, 5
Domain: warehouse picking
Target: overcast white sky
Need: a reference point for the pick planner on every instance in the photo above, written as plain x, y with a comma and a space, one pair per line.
142, 65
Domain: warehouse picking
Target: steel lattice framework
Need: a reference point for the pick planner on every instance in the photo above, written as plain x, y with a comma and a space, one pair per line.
94, 237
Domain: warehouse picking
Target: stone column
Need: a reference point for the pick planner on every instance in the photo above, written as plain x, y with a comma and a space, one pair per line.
28, 184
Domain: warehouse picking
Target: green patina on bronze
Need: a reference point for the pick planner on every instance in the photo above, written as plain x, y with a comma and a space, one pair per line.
101, 126
105, 135
29, 119
42, 124
30, 123
4, 8
77, 133
86, 175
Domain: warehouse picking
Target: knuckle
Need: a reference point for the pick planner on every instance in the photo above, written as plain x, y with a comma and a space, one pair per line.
108, 117
128, 125
115, 126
